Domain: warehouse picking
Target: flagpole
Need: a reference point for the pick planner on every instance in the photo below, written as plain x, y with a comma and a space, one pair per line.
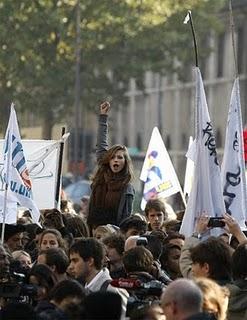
59, 170
4, 213
233, 38
6, 183
189, 18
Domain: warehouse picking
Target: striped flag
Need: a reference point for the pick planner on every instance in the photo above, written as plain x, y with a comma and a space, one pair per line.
15, 172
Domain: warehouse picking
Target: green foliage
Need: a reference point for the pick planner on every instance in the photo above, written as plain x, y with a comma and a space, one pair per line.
119, 39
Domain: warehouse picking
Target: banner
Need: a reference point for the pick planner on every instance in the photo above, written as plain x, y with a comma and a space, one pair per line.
158, 173
42, 163
233, 166
206, 195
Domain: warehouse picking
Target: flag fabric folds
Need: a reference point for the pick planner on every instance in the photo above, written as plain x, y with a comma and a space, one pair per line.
233, 167
15, 172
189, 171
158, 173
206, 195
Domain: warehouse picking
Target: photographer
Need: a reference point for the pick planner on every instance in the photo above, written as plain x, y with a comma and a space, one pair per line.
143, 288
4, 271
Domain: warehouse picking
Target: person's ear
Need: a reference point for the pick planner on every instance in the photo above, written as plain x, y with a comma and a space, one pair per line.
206, 268
90, 262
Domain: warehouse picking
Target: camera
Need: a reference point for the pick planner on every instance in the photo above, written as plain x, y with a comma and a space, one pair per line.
16, 288
141, 294
142, 241
216, 222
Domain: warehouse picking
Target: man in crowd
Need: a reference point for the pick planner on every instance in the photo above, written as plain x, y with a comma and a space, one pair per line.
182, 300
114, 246
56, 259
155, 213
13, 235
86, 262
133, 226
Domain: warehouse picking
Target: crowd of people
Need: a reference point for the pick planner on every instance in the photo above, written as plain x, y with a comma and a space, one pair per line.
107, 262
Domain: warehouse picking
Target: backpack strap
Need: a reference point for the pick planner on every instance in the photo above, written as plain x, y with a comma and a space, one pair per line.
105, 285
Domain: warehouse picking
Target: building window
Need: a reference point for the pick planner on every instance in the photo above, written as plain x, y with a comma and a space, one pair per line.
168, 142
218, 138
221, 54
240, 49
126, 142
139, 141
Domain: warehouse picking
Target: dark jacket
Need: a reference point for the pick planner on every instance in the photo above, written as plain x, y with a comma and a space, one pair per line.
127, 197
48, 311
237, 306
201, 316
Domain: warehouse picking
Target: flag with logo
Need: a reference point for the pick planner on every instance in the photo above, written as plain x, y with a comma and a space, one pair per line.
158, 174
15, 172
206, 195
233, 167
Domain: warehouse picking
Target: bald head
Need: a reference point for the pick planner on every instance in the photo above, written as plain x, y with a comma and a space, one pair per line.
130, 242
182, 298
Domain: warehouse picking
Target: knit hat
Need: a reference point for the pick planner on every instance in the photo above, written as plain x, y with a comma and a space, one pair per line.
11, 229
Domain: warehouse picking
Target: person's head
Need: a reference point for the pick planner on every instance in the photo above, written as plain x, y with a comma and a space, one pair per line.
77, 227
50, 238
156, 213
86, 258
181, 299
66, 293
239, 262
172, 225
133, 226
116, 161
175, 238
103, 231
215, 297
211, 259
13, 235
138, 259
55, 258
4, 263
154, 245
84, 205
130, 242
42, 276
114, 246
24, 258
170, 260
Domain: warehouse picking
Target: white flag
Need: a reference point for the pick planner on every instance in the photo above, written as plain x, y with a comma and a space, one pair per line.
15, 171
189, 171
206, 194
233, 168
158, 172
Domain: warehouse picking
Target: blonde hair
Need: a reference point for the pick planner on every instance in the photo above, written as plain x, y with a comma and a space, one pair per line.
215, 297
18, 253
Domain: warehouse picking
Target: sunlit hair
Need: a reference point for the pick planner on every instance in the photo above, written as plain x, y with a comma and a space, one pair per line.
215, 297
56, 233
104, 164
19, 253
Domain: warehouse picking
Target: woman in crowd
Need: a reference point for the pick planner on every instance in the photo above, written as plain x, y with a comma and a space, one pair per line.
215, 298
112, 192
51, 238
